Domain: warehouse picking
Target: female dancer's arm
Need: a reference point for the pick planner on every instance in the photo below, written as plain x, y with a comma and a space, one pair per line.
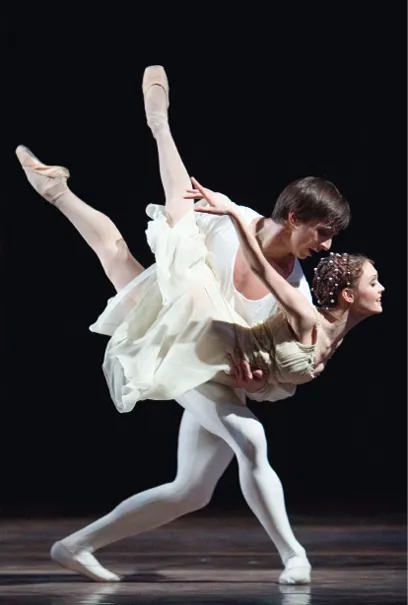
298, 309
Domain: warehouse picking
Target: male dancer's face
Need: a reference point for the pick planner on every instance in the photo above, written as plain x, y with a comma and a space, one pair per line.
308, 238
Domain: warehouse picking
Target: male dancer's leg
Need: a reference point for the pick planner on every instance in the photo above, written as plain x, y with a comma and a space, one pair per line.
214, 425
202, 458
219, 409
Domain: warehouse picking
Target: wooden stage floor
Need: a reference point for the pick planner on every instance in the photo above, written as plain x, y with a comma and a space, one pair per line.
214, 559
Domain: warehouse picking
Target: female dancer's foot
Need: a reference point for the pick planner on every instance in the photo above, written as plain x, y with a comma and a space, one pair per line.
155, 88
49, 181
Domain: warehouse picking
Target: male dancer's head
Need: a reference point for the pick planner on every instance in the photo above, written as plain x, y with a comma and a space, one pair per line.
308, 213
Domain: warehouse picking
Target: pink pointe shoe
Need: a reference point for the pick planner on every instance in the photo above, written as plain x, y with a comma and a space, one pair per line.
156, 76
49, 181
156, 103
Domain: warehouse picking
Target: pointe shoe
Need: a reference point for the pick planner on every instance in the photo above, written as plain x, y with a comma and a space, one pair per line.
156, 106
297, 571
156, 76
82, 562
49, 181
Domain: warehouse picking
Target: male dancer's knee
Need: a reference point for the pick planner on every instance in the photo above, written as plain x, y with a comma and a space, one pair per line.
163, 503
250, 446
191, 495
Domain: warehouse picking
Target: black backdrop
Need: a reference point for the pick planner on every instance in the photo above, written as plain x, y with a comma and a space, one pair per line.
257, 99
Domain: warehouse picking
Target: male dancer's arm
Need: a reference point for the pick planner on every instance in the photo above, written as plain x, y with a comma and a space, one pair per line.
254, 384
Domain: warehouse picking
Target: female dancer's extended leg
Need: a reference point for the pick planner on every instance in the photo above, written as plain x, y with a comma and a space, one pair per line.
96, 228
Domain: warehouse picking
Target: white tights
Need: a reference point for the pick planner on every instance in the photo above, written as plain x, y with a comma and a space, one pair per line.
211, 432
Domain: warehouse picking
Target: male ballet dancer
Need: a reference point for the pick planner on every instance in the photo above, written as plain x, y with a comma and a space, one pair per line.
215, 425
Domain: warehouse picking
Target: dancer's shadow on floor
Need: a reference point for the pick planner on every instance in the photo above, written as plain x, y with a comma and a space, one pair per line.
137, 577
64, 592
27, 579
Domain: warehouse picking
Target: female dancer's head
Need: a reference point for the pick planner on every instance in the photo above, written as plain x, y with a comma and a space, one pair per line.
348, 281
314, 211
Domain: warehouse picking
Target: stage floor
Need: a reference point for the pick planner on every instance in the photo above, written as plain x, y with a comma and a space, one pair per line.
213, 559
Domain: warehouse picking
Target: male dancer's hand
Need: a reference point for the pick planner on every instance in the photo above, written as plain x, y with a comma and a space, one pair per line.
245, 379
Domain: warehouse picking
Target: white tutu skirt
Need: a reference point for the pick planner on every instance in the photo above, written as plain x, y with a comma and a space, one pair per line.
170, 327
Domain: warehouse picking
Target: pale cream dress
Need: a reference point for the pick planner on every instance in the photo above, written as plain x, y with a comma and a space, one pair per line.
171, 327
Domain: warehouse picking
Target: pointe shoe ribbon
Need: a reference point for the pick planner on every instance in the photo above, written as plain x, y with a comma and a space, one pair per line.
29, 161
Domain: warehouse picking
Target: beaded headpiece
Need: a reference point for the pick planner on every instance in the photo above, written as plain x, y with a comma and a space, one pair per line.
340, 265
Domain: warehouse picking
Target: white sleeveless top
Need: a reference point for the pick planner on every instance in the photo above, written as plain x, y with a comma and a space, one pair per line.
222, 240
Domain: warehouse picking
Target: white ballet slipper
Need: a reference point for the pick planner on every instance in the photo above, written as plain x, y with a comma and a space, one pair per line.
297, 571
82, 562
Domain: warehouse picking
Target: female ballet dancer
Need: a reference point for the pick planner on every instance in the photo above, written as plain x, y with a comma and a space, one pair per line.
215, 424
179, 337
178, 331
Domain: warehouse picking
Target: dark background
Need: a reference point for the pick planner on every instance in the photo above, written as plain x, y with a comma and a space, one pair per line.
259, 97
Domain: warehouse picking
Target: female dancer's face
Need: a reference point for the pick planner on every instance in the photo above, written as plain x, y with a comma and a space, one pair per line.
367, 293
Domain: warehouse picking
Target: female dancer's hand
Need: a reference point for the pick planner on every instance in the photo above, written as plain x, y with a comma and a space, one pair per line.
218, 203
